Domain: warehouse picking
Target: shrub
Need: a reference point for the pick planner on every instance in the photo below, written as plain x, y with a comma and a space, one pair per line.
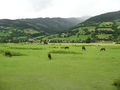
117, 84
8, 53
11, 53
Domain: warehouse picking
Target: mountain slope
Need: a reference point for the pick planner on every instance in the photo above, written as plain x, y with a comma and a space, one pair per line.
24, 29
102, 27
107, 17
50, 25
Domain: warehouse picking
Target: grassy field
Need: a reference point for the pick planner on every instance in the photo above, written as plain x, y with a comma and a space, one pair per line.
69, 69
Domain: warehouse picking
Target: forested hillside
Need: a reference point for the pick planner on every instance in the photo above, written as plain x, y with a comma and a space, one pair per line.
25, 29
104, 27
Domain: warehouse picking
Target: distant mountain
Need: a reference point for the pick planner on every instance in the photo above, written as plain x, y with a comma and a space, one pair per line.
50, 25
32, 28
107, 17
102, 27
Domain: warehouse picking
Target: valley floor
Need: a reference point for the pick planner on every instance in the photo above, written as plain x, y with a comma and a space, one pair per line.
70, 69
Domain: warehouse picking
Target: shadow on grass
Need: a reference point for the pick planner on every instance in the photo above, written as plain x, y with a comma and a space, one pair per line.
64, 52
22, 48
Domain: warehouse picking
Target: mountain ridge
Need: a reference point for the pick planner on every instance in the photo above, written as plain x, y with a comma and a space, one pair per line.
32, 28
104, 27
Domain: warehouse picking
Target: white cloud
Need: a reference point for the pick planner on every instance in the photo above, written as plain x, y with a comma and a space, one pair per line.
55, 8
38, 5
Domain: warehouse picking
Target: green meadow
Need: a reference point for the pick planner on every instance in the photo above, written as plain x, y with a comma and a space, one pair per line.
70, 69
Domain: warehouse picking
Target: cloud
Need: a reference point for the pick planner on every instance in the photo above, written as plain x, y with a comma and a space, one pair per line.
38, 5
78, 8
55, 8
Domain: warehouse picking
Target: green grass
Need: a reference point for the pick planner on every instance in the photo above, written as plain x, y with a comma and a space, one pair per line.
106, 24
104, 36
71, 69
118, 23
30, 31
4, 34
90, 28
81, 37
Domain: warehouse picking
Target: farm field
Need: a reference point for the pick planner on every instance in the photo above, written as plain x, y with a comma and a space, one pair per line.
70, 69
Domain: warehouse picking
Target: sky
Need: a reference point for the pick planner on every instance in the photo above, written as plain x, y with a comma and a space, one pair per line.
17, 9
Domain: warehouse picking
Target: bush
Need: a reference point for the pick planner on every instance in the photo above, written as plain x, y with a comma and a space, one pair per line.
10, 53
117, 84
88, 40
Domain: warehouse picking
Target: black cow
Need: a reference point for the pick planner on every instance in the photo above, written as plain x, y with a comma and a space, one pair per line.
83, 48
102, 49
49, 56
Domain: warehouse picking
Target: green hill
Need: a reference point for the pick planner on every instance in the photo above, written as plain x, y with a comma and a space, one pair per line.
24, 29
104, 27
50, 25
107, 17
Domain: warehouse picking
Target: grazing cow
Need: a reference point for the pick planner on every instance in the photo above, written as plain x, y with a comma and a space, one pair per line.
45, 42
7, 53
83, 48
66, 47
49, 56
102, 49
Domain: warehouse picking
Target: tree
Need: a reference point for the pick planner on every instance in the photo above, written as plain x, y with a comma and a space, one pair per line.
88, 40
117, 40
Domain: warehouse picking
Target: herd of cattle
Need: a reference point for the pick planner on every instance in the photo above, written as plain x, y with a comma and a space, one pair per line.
83, 48
66, 47
8, 53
